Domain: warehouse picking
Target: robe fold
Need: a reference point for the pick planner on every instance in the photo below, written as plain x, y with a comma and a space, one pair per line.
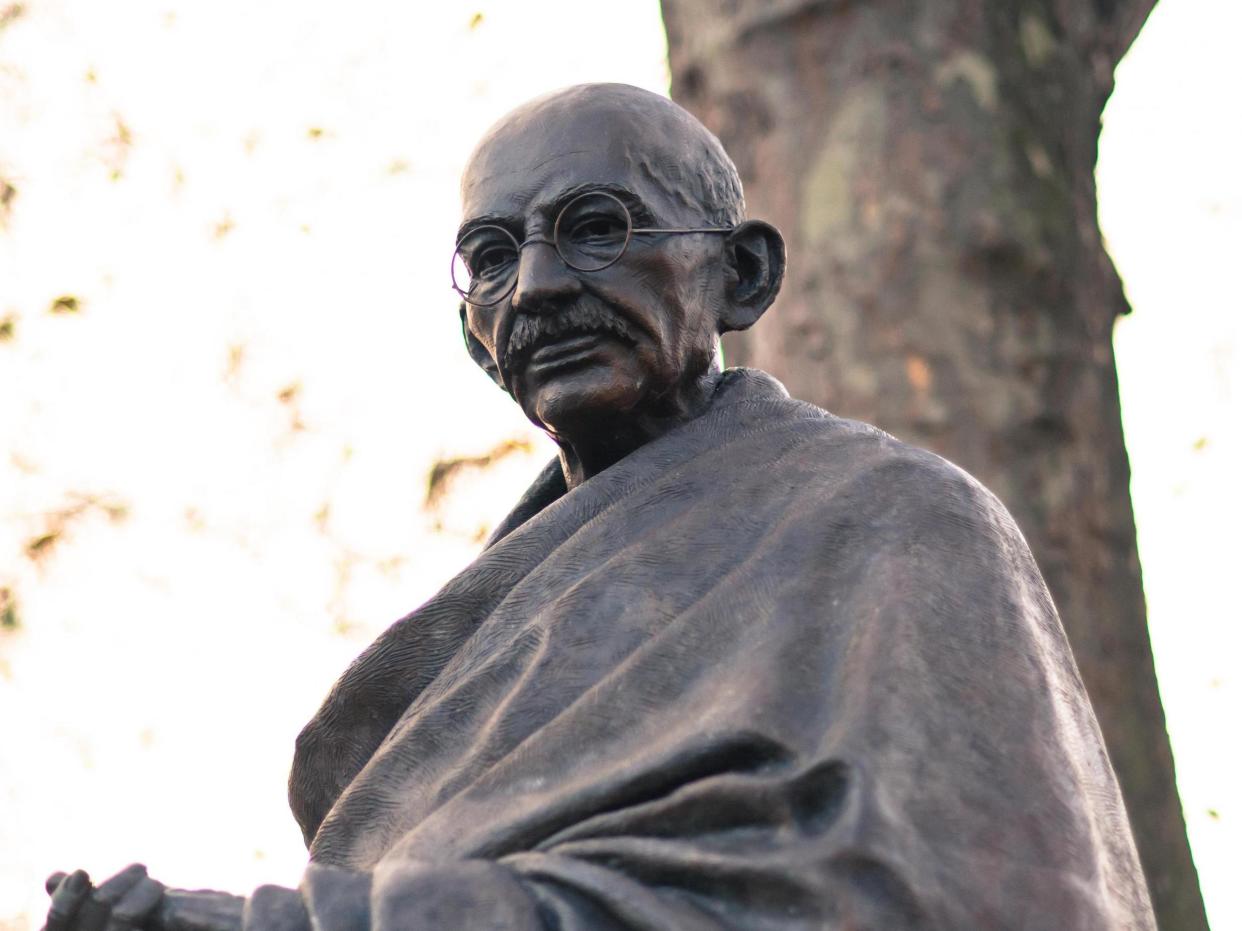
773, 670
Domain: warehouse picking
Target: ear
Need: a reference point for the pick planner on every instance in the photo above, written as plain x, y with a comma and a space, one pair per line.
755, 257
478, 352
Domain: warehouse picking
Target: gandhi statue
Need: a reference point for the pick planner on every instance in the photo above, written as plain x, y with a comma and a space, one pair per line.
731, 661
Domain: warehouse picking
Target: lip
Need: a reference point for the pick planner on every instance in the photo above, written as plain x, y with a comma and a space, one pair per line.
572, 350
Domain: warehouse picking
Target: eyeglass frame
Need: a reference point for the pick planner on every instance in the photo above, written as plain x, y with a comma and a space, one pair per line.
631, 231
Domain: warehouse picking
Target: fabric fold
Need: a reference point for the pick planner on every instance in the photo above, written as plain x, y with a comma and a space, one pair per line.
774, 670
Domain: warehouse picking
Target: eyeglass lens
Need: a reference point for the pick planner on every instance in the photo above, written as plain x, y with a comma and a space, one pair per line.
591, 233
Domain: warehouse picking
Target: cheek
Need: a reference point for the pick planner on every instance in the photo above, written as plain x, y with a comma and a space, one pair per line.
689, 304
481, 324
670, 292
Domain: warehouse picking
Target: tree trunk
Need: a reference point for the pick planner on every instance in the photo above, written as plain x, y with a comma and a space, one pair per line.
931, 164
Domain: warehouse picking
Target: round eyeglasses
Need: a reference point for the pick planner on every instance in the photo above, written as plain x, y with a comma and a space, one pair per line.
592, 231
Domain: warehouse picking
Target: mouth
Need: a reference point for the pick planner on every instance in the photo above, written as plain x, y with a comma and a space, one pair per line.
572, 349
586, 333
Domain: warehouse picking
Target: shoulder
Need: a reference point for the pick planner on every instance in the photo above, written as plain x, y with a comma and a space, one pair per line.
890, 511
840, 441
840, 471
886, 482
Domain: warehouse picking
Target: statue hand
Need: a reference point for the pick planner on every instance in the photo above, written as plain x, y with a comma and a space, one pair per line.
125, 902
200, 910
133, 901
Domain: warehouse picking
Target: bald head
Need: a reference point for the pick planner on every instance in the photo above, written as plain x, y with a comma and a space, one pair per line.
606, 354
629, 132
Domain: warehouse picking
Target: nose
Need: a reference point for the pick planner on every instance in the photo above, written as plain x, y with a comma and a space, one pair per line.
544, 280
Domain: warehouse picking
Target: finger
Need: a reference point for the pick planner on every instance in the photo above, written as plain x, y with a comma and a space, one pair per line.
96, 912
53, 881
138, 904
92, 915
67, 900
113, 889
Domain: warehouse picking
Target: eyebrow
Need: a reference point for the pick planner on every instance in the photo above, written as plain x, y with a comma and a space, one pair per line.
639, 211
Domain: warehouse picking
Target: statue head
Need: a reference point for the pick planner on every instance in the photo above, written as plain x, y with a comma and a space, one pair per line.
602, 252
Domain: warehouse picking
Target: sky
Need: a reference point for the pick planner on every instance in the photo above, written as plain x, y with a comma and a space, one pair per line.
1171, 210
224, 310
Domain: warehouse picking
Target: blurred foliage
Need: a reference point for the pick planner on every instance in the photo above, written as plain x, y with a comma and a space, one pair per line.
38, 547
57, 522
290, 396
232, 369
10, 13
117, 146
438, 479
8, 193
66, 304
8, 610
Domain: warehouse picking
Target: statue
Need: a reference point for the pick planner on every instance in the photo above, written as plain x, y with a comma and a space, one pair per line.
731, 662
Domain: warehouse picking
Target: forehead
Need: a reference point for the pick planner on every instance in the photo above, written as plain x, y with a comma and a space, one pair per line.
528, 162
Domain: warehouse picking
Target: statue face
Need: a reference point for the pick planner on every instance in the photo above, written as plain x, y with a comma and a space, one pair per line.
579, 348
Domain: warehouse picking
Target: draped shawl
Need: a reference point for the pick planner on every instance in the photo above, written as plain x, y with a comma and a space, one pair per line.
774, 670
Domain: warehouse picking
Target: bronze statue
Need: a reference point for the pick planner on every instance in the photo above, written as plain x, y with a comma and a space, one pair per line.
731, 662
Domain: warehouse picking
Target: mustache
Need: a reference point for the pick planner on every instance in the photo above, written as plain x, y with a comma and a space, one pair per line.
584, 316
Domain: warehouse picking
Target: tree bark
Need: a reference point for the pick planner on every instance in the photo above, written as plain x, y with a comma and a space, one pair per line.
931, 164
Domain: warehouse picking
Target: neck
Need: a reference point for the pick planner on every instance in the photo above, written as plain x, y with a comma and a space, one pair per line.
607, 440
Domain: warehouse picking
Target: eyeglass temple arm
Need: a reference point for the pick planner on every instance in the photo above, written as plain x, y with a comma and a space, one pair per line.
694, 229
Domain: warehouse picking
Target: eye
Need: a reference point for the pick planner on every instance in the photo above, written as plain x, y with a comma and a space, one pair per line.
597, 229
493, 259
488, 252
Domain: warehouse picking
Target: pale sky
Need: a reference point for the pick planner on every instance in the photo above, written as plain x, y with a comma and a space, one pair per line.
225, 448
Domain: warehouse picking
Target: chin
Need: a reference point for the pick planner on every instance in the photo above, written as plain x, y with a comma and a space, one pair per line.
581, 400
